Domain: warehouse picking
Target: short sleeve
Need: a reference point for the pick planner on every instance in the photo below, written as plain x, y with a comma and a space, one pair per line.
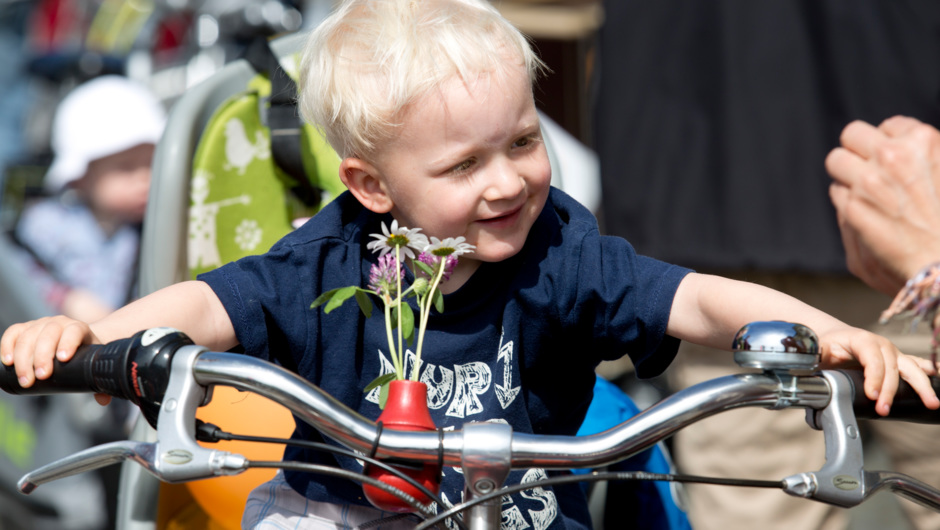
626, 298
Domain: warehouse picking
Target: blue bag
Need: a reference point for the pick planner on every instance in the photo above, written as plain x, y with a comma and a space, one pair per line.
635, 503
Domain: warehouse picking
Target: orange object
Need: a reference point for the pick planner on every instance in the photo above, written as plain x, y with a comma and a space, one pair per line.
223, 498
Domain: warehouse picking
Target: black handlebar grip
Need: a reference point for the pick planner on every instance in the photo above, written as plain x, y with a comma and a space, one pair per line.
907, 405
95, 368
136, 369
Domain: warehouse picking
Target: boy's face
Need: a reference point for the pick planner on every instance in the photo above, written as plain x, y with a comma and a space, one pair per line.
470, 161
117, 186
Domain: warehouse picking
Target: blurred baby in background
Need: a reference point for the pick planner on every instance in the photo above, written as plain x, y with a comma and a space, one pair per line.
84, 238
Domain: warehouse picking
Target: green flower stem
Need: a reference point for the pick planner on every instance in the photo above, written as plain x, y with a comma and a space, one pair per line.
425, 307
400, 371
396, 364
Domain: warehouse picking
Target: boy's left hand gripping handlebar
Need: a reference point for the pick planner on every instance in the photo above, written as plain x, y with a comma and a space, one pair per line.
136, 369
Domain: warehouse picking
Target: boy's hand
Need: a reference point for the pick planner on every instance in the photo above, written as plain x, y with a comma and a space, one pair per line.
882, 362
31, 346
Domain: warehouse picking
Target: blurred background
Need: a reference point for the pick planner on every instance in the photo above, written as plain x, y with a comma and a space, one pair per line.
707, 122
48, 47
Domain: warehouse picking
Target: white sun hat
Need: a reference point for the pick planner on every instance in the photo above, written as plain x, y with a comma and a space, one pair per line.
101, 117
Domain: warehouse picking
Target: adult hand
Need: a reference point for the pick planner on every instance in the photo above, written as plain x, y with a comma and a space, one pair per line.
885, 191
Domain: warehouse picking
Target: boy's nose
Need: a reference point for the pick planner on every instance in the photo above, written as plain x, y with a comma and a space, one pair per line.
503, 181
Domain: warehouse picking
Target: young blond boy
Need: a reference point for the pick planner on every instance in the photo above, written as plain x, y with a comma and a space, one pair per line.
430, 105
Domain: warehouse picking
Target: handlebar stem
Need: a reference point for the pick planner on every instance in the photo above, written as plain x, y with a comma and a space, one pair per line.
486, 461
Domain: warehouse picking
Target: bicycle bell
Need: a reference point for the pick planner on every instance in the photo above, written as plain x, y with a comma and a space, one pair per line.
776, 345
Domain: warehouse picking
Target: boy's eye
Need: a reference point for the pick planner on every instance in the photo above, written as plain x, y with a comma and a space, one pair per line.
526, 141
463, 166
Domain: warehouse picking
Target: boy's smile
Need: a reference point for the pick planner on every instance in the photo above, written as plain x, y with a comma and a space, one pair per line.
468, 160
503, 220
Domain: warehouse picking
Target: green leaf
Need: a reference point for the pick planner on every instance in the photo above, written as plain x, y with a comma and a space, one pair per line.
323, 298
407, 322
381, 380
342, 294
424, 267
383, 396
365, 303
438, 301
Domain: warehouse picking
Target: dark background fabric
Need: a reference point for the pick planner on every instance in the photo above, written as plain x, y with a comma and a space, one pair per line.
713, 119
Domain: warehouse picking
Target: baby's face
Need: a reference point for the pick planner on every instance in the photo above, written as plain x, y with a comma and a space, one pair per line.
117, 185
470, 161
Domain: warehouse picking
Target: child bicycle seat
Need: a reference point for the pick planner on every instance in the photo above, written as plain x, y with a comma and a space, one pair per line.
233, 173
242, 198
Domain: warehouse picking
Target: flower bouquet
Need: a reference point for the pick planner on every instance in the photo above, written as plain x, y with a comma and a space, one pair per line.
402, 398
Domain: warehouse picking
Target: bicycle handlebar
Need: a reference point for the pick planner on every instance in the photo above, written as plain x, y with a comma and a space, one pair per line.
137, 369
169, 378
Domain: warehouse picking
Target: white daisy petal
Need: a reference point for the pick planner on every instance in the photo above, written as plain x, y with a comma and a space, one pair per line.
408, 239
455, 246
417, 241
407, 252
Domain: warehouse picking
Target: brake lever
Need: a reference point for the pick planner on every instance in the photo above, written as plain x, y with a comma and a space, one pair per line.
843, 481
174, 456
905, 486
88, 460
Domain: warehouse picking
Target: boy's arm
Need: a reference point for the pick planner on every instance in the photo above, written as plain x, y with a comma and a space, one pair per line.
192, 307
709, 310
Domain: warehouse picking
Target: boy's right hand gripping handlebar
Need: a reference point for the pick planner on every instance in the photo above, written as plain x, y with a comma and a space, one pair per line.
136, 369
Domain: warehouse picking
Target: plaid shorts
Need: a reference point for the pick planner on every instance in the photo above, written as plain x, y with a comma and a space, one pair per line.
274, 505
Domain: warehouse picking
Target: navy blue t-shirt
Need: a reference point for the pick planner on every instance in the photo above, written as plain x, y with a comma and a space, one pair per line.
517, 343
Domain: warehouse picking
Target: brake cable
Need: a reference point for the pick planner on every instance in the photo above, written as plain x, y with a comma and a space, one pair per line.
210, 433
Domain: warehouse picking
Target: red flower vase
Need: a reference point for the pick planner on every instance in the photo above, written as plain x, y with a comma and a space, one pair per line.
406, 409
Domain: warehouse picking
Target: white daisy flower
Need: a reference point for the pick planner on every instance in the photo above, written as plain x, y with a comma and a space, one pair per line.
450, 246
407, 239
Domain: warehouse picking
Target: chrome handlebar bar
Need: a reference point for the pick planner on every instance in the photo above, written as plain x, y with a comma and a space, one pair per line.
487, 451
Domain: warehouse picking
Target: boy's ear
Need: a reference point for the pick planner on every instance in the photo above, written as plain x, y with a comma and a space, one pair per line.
363, 181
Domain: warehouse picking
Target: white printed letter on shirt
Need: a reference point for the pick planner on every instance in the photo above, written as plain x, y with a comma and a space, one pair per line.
473, 379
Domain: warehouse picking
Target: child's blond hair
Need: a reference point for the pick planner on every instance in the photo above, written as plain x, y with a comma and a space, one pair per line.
371, 58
